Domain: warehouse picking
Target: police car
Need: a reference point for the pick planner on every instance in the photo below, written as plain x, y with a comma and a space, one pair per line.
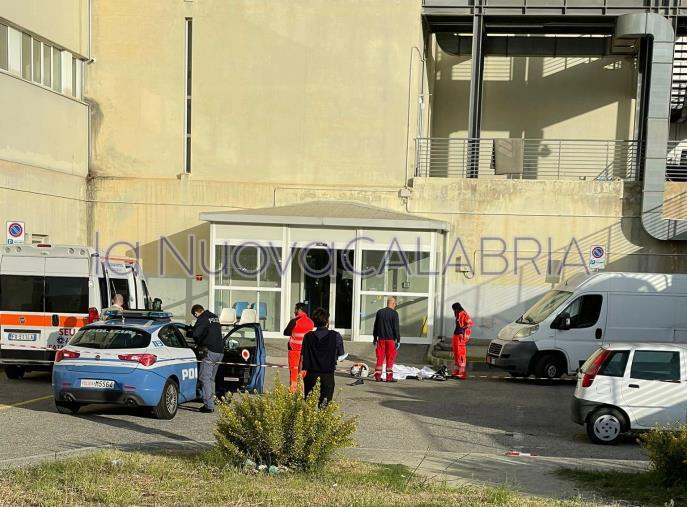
133, 358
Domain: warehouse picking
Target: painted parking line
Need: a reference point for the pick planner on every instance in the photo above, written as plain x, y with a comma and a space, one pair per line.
25, 402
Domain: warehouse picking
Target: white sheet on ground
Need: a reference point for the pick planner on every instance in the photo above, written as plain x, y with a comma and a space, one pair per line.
402, 372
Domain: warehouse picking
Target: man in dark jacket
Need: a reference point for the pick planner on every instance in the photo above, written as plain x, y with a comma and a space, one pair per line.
386, 336
319, 353
207, 334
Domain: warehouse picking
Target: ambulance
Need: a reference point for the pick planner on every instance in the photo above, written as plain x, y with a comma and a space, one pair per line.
47, 292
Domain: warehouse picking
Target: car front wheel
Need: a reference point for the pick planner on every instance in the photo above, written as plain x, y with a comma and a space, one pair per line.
169, 402
548, 367
605, 426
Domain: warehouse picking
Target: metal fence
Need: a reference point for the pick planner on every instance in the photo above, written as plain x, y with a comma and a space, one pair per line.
676, 163
541, 159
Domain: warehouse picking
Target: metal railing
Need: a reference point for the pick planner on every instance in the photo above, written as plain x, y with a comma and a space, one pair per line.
676, 163
542, 159
598, 7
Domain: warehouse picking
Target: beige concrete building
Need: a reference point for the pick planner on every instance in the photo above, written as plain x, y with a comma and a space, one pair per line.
211, 123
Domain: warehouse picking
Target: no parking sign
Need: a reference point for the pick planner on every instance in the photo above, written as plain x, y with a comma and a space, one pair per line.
15, 232
597, 257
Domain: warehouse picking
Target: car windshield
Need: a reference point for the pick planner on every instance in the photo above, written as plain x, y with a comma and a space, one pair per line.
543, 308
110, 338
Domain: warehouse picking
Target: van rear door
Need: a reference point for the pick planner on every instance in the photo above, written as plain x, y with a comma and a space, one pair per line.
23, 333
67, 288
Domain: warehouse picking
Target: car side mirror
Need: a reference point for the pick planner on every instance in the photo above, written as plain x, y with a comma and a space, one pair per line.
562, 322
157, 305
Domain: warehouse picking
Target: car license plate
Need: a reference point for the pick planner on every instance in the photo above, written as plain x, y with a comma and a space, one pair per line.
231, 379
490, 360
97, 384
22, 337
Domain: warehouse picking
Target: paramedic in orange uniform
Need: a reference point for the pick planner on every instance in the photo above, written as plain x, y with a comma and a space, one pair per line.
461, 337
296, 330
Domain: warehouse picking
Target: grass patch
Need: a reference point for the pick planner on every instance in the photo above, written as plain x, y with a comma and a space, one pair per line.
119, 478
643, 488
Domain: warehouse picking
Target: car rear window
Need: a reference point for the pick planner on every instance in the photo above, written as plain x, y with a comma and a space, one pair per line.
110, 338
589, 362
615, 363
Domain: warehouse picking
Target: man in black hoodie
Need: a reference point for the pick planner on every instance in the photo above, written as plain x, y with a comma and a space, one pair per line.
319, 353
207, 334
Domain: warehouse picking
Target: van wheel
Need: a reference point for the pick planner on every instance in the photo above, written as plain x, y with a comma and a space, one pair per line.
67, 408
548, 367
605, 426
169, 402
14, 372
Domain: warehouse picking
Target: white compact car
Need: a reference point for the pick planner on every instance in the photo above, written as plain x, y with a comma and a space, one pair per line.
631, 387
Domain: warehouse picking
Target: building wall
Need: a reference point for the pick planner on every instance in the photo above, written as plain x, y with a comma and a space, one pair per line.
300, 91
537, 97
44, 134
42, 128
64, 22
316, 100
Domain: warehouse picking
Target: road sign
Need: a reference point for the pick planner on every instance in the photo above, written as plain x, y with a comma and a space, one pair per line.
597, 257
15, 232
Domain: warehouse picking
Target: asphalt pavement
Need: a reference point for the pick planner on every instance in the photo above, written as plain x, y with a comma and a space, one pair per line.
485, 417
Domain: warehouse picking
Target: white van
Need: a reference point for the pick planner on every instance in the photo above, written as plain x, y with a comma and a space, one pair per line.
47, 292
561, 330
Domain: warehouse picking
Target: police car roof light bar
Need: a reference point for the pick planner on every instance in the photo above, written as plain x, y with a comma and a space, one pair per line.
136, 314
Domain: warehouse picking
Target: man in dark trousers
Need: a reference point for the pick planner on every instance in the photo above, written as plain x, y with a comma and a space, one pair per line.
386, 336
319, 353
207, 334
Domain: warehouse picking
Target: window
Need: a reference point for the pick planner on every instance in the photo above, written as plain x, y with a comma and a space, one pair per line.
168, 335
615, 364
584, 311
241, 337
22, 293
66, 294
14, 47
25, 56
47, 53
656, 365
120, 286
189, 81
74, 80
110, 338
56, 70
4, 47
36, 60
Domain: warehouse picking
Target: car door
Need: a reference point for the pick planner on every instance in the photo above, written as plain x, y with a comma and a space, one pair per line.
182, 361
654, 388
587, 314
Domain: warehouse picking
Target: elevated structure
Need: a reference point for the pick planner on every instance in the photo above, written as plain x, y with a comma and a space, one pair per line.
646, 29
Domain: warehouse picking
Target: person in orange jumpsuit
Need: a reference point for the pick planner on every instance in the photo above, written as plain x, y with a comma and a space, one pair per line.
296, 330
461, 337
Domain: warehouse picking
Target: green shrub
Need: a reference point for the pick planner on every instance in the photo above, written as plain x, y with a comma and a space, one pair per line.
667, 450
282, 429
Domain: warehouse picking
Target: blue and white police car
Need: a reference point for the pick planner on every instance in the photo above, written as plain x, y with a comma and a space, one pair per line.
134, 358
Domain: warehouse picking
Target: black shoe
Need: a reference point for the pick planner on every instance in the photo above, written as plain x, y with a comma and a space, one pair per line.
206, 410
393, 380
